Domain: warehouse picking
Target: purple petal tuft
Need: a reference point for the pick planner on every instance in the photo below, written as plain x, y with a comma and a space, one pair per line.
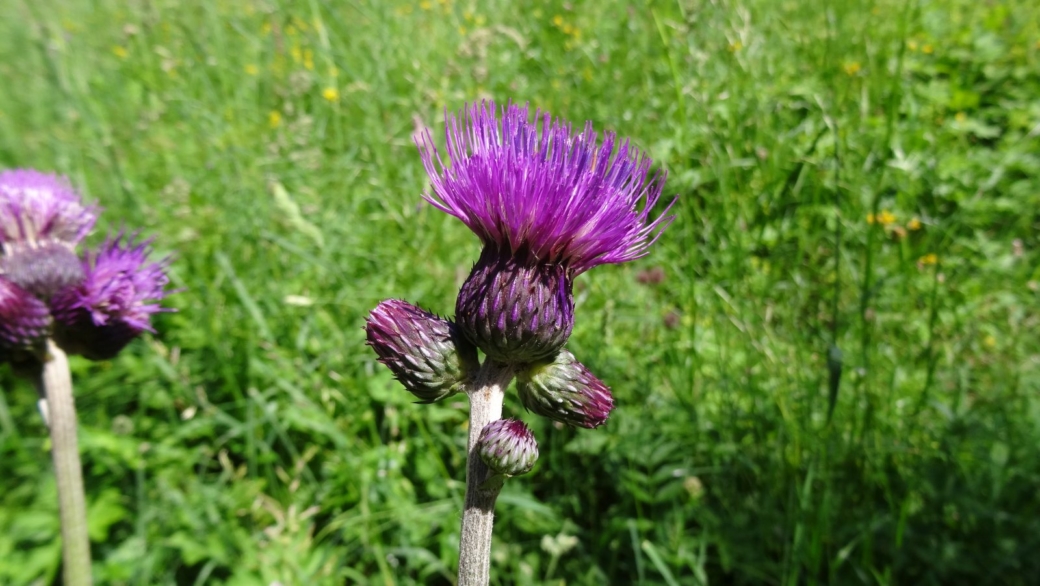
544, 190
115, 301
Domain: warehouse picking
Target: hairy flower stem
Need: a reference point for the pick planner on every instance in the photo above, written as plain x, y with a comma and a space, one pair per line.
55, 385
485, 405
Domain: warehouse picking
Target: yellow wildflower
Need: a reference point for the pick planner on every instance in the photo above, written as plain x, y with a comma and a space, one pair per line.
558, 20
252, 69
884, 218
927, 49
912, 45
928, 259
120, 51
274, 119
913, 224
330, 93
426, 5
852, 68
960, 117
308, 59
990, 341
735, 46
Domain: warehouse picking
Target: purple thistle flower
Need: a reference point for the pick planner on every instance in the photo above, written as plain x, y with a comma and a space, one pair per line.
41, 221
36, 208
114, 302
548, 204
25, 321
565, 391
508, 447
424, 351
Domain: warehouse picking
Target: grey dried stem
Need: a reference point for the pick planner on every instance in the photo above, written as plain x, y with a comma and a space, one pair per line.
55, 385
486, 394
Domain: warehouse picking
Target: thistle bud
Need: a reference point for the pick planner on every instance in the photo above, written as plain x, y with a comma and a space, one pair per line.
515, 311
564, 390
25, 321
508, 447
425, 352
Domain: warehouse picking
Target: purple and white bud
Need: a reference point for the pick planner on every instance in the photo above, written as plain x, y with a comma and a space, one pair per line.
508, 447
516, 312
114, 302
565, 391
425, 352
25, 321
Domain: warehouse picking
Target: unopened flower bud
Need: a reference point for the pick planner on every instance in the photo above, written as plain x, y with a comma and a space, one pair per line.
516, 311
564, 390
425, 352
508, 447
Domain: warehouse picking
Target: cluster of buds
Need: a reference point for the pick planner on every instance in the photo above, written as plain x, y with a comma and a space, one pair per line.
91, 303
548, 204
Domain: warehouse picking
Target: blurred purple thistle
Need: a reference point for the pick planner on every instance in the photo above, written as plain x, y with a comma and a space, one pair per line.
42, 219
114, 302
37, 208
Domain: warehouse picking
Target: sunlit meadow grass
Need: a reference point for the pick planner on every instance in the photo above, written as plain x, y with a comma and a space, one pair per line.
827, 371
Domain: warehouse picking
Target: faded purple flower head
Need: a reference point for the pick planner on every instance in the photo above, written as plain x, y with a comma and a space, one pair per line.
37, 208
424, 351
542, 191
25, 321
565, 391
548, 204
508, 447
114, 302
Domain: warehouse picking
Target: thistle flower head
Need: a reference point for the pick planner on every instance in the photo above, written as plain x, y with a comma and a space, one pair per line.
508, 447
565, 391
36, 208
115, 300
424, 351
542, 191
25, 321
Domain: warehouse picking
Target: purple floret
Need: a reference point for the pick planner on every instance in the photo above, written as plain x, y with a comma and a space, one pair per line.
37, 208
543, 192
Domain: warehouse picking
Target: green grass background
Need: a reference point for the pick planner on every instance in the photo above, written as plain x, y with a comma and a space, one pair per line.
805, 396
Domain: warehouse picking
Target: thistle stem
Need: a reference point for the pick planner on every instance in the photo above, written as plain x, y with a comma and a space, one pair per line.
485, 400
55, 385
